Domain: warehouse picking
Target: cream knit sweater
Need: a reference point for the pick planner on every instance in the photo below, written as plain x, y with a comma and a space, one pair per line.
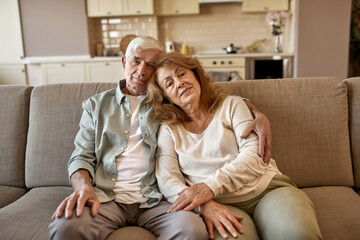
229, 165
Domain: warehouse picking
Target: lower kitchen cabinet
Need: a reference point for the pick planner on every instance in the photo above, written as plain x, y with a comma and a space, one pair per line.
70, 72
63, 72
12, 74
104, 71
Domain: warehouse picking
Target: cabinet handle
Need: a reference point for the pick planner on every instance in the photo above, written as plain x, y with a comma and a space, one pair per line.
214, 62
230, 62
63, 65
138, 11
109, 13
177, 11
107, 64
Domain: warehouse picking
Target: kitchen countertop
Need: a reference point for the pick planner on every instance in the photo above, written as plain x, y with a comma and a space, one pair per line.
68, 59
245, 55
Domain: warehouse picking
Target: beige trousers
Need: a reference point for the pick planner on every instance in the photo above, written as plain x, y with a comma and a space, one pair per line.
282, 211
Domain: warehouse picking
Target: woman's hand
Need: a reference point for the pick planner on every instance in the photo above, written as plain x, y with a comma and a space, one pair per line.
220, 217
261, 126
192, 197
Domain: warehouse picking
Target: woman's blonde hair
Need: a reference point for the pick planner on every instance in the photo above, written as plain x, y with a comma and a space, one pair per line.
169, 113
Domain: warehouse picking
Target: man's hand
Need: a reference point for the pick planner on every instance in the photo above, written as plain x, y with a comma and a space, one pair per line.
83, 195
192, 197
261, 126
220, 217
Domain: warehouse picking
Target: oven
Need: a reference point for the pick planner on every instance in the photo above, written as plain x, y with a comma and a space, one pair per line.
224, 67
269, 67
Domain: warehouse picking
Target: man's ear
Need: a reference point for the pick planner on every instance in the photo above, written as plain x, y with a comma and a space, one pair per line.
123, 60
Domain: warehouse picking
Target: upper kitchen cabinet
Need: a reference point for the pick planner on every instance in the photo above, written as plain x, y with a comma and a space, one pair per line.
265, 5
106, 8
175, 7
138, 7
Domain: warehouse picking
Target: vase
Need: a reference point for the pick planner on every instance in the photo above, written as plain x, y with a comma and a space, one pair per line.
278, 43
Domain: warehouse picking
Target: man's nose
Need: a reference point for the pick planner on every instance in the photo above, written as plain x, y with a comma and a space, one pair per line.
142, 68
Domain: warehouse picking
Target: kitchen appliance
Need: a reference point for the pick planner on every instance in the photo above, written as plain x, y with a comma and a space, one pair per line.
271, 67
231, 48
169, 46
224, 67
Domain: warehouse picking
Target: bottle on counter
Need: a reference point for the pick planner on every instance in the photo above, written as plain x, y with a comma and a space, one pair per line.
253, 47
185, 49
99, 49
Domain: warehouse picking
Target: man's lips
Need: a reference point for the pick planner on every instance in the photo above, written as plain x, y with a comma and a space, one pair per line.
185, 91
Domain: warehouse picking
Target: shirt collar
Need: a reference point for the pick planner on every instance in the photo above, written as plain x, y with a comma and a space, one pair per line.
119, 94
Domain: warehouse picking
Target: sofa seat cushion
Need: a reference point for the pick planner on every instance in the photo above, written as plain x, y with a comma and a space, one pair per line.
29, 217
131, 233
337, 210
10, 194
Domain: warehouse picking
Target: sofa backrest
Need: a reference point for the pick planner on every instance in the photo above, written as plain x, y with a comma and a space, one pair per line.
309, 123
14, 115
353, 85
55, 112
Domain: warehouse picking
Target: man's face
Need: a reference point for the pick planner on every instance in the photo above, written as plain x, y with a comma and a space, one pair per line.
139, 69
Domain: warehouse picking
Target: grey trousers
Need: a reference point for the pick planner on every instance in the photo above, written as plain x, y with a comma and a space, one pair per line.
281, 212
112, 216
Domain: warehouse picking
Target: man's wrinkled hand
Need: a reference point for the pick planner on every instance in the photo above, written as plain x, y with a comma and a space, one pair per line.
191, 197
261, 126
220, 217
78, 199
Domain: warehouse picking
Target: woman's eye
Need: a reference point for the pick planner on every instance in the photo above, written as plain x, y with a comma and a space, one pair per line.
169, 84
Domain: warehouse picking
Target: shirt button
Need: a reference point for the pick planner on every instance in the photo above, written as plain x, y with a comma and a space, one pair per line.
128, 115
126, 131
113, 179
111, 193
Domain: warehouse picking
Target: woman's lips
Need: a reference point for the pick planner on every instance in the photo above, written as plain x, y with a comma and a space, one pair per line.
185, 91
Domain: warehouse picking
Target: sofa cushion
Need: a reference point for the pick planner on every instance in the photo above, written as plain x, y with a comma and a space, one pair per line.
309, 123
353, 85
55, 112
14, 117
337, 210
10, 194
29, 217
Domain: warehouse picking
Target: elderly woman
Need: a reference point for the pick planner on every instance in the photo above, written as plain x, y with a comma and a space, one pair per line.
205, 165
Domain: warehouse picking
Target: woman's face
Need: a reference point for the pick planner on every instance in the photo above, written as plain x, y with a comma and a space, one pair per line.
179, 85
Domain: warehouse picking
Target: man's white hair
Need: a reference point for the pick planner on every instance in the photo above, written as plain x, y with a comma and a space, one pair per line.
143, 43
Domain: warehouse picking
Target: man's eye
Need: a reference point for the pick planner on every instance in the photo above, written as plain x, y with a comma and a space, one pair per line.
151, 65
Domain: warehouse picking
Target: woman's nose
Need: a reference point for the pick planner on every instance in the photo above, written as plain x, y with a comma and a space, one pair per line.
181, 84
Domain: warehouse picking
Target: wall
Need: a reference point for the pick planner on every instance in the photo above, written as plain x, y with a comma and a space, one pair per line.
322, 42
54, 28
217, 26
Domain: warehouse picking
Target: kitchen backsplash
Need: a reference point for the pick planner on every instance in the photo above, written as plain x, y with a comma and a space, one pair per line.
215, 27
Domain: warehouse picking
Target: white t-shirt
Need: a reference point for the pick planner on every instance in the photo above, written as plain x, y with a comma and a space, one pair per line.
132, 164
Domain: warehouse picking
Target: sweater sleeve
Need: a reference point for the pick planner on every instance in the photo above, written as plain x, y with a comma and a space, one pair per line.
168, 174
247, 166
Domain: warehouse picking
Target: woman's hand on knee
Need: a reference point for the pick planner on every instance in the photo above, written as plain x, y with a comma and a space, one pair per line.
191, 197
220, 217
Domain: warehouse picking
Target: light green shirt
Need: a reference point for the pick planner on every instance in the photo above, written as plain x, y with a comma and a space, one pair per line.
103, 135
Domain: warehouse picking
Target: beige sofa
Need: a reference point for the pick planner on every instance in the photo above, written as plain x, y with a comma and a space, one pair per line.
316, 141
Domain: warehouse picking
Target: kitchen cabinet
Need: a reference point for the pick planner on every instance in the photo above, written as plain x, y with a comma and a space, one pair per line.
106, 8
176, 7
265, 5
138, 7
11, 45
12, 74
104, 71
63, 72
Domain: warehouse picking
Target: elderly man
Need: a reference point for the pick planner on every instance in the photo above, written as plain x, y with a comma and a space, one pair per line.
112, 167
